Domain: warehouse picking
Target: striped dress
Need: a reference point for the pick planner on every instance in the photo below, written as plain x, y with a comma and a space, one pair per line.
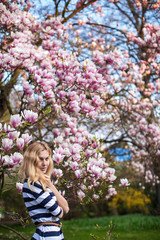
42, 207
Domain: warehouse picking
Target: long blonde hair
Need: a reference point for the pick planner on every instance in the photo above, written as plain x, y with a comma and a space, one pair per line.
29, 169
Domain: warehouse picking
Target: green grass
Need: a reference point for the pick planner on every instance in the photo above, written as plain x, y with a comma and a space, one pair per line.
129, 227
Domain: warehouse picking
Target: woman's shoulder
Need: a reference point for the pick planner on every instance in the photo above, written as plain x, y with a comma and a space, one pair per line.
33, 186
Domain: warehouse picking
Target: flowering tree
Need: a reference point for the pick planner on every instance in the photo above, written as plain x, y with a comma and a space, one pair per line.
133, 110
45, 91
108, 76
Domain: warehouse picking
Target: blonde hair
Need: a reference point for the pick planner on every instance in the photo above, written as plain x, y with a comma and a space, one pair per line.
29, 169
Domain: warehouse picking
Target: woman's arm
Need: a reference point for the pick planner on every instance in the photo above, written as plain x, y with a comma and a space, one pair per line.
60, 199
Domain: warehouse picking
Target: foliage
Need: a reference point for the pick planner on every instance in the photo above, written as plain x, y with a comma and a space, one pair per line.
130, 201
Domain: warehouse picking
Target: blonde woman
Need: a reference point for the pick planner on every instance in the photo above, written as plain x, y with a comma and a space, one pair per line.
44, 203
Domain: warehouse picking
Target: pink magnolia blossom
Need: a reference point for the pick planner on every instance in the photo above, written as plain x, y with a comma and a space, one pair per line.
124, 182
7, 144
13, 135
112, 191
74, 106
5, 128
57, 172
26, 137
20, 143
67, 131
96, 170
30, 116
15, 120
56, 132
74, 165
78, 173
75, 148
95, 197
7, 160
88, 152
90, 187
58, 157
62, 192
76, 157
27, 88
17, 158
80, 194
19, 187
97, 101
58, 140
86, 107
111, 178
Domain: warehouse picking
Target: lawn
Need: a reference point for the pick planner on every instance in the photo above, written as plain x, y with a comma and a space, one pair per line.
128, 227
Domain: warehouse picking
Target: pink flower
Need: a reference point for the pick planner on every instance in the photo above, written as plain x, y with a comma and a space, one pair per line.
27, 88
97, 101
15, 120
5, 128
75, 148
26, 137
110, 171
111, 178
17, 158
56, 132
80, 194
57, 172
124, 182
86, 107
81, 22
40, 99
20, 143
58, 140
67, 131
58, 157
62, 94
30, 116
78, 173
112, 191
74, 106
95, 196
88, 153
62, 193
96, 171
7, 160
13, 135
90, 187
73, 165
76, 157
7, 144
19, 187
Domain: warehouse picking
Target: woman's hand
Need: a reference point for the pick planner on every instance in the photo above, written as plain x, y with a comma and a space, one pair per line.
60, 199
48, 181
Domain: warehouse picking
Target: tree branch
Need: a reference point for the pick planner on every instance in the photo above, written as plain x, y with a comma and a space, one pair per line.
11, 229
78, 10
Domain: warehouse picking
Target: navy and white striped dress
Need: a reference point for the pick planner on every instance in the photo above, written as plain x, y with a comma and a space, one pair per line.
42, 207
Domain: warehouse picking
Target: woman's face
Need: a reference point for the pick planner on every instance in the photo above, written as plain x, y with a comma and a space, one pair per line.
43, 162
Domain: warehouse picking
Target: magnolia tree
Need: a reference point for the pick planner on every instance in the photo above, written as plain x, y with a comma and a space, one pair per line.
131, 111
45, 91
108, 78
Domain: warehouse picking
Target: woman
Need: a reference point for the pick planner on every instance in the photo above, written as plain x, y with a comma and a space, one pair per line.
43, 201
